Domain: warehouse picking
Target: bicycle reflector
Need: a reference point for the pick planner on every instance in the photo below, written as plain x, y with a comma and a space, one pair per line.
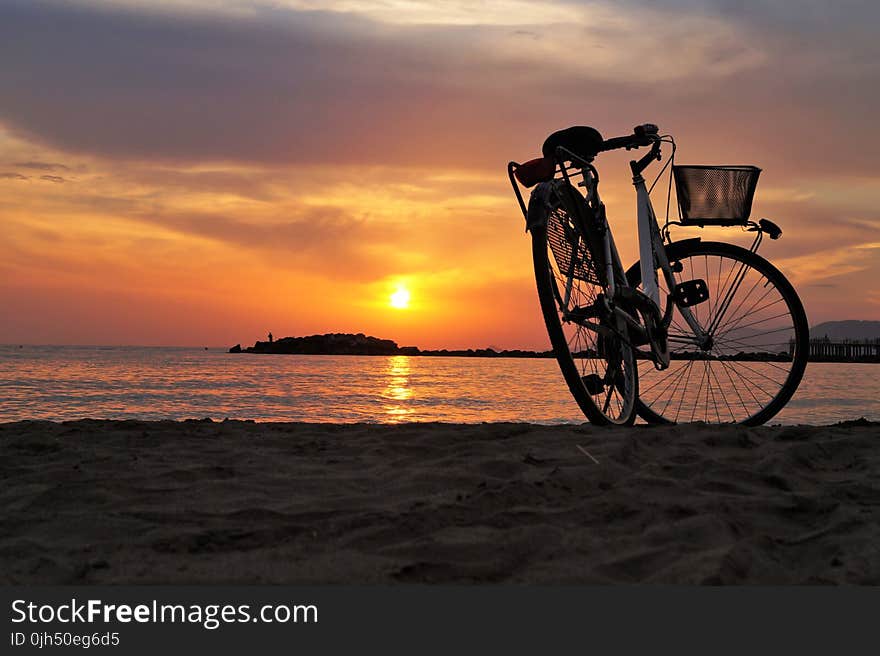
715, 195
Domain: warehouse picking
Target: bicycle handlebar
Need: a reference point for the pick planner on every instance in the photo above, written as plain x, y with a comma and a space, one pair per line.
643, 135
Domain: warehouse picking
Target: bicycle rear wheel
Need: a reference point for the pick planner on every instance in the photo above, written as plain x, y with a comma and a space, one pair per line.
756, 351
598, 366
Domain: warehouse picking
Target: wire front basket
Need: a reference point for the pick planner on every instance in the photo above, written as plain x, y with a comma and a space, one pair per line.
715, 195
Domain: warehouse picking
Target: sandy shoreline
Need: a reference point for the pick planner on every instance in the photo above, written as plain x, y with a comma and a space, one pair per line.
238, 502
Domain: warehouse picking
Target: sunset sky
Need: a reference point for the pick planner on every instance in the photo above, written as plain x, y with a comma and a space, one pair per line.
200, 172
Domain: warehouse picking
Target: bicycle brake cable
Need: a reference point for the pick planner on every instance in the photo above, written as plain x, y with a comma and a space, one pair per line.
666, 138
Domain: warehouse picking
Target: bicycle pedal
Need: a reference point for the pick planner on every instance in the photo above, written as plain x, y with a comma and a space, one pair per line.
690, 292
594, 383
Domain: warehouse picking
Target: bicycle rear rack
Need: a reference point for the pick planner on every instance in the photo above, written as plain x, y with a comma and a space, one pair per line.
577, 166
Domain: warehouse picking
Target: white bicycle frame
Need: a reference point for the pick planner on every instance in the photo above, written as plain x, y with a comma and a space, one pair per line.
652, 254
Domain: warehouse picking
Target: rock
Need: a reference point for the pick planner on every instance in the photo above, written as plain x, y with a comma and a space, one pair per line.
329, 344
360, 344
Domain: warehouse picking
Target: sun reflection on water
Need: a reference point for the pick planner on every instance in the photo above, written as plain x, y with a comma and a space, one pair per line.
397, 391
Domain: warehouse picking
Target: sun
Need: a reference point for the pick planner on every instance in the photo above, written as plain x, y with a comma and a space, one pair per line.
400, 299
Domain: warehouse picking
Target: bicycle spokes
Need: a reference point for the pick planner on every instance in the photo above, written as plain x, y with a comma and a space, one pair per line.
741, 359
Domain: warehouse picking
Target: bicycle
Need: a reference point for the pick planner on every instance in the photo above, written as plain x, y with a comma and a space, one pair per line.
695, 330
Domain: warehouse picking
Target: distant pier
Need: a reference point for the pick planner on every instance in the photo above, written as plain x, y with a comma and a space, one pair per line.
822, 349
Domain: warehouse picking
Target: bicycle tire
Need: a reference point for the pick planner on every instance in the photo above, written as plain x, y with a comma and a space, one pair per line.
620, 380
719, 361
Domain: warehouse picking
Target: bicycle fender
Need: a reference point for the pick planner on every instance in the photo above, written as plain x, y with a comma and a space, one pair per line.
681, 243
541, 203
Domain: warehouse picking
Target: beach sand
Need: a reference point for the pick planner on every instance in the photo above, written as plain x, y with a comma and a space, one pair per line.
238, 502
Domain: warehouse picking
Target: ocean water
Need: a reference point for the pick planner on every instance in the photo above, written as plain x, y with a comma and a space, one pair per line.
74, 382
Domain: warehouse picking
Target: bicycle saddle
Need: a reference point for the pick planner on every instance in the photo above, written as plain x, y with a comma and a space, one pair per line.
581, 140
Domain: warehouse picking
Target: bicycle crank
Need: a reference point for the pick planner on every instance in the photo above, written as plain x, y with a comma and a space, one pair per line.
655, 330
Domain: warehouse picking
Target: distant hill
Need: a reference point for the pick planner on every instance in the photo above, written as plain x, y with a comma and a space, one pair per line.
850, 329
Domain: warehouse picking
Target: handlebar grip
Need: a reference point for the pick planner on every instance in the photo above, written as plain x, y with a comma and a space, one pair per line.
619, 142
643, 135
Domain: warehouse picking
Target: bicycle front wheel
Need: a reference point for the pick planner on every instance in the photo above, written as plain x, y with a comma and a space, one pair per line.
598, 365
754, 353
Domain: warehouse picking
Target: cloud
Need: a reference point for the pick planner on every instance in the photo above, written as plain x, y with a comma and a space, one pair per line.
338, 223
450, 12
831, 263
328, 242
12, 176
373, 82
53, 178
41, 166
